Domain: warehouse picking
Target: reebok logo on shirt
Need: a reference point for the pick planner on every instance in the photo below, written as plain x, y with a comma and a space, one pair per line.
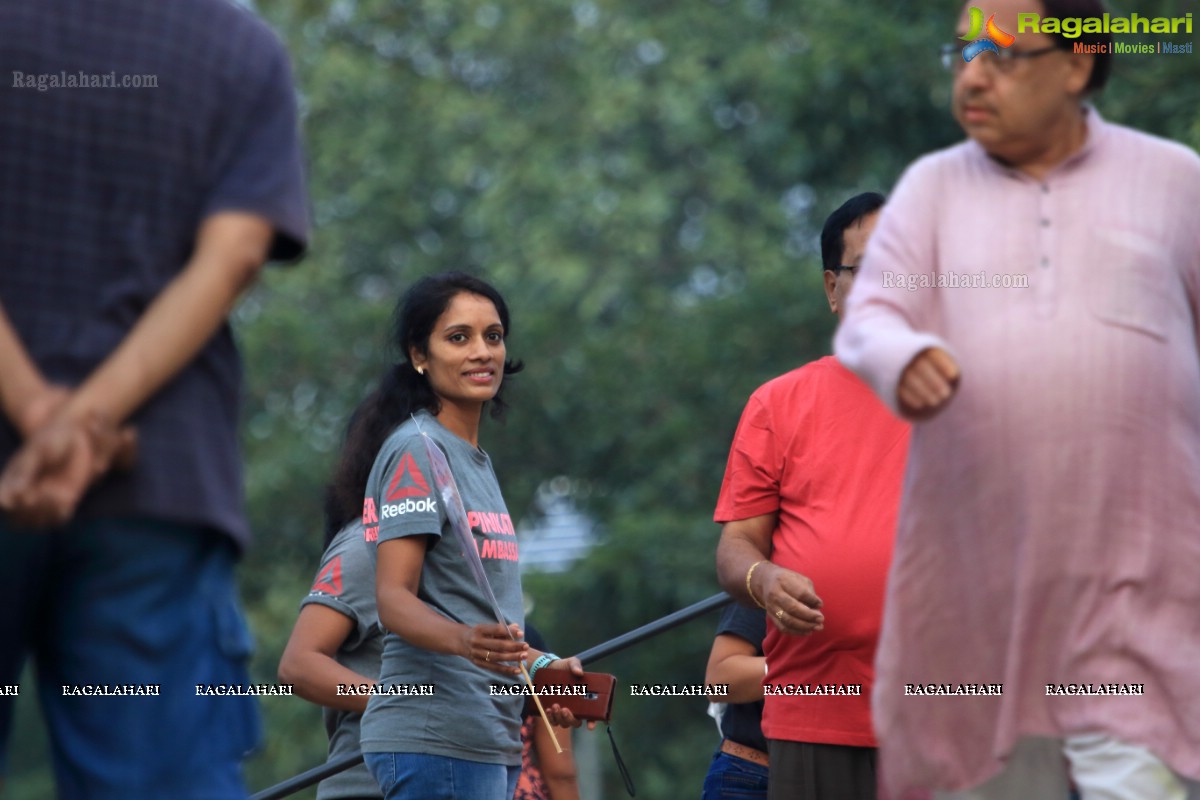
427, 504
329, 580
407, 481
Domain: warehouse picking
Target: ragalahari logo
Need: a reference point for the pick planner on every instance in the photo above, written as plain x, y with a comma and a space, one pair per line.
983, 37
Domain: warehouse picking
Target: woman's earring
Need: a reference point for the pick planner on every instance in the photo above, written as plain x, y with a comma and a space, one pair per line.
420, 370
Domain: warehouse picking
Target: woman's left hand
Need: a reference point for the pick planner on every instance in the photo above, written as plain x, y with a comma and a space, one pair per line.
558, 715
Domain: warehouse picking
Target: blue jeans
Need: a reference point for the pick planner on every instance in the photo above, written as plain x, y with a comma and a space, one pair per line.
119, 602
732, 778
414, 776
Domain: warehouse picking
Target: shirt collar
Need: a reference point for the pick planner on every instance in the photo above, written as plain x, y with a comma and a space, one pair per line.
1095, 131
1096, 127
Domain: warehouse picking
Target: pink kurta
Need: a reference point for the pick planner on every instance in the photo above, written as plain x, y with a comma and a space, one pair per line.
1049, 531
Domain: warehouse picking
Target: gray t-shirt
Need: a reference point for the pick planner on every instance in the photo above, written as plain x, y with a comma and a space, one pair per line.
460, 719
346, 583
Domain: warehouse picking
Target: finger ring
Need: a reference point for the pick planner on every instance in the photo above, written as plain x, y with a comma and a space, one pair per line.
488, 656
779, 614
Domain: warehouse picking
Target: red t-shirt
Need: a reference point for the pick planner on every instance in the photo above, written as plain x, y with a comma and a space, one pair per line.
818, 447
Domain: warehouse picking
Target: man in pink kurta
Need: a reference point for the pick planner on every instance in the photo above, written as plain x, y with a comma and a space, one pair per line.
1049, 532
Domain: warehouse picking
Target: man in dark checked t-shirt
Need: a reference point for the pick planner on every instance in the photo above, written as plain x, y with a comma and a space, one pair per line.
149, 165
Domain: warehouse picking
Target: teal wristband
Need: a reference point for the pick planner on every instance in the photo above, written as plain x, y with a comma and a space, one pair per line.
542, 660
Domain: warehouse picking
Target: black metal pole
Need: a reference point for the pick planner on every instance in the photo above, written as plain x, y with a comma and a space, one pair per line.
654, 628
342, 763
308, 778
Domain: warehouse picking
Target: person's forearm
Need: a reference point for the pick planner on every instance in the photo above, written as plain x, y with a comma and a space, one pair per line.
20, 381
316, 678
405, 614
558, 769
562, 787
534, 655
180, 321
735, 557
743, 674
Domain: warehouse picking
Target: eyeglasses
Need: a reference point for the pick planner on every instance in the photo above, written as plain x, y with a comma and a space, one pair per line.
1003, 61
843, 268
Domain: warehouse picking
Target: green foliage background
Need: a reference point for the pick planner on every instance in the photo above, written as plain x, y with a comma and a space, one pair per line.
645, 181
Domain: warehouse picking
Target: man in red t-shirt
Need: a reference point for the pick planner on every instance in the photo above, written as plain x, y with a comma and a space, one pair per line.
808, 511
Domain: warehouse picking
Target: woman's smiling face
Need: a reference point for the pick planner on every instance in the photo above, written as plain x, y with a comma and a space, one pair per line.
465, 358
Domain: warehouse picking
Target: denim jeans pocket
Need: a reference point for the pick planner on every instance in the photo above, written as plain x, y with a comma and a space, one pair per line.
382, 767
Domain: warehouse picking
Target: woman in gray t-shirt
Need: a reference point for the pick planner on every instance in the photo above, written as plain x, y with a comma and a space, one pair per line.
332, 656
435, 726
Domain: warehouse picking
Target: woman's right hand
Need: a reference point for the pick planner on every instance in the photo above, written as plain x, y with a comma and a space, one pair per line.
491, 647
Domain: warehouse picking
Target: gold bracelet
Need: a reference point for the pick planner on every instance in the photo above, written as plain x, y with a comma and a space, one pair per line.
750, 572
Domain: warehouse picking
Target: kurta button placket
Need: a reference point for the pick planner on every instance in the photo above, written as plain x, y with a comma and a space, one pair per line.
1045, 285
